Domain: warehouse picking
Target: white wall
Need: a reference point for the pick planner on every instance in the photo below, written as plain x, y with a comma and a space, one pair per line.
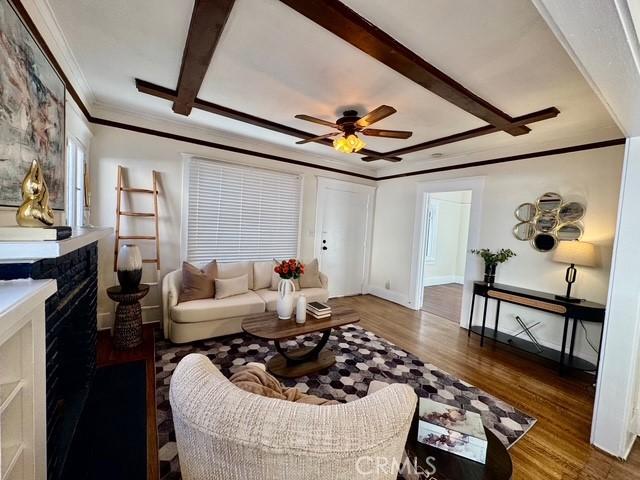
141, 154
452, 229
592, 176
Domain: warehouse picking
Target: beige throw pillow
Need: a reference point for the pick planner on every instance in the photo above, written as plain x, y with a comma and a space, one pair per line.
231, 286
262, 274
197, 284
234, 270
311, 276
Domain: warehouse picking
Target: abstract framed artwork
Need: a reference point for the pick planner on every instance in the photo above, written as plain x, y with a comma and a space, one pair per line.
32, 113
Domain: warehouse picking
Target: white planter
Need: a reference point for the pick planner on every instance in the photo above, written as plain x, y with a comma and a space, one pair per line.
284, 307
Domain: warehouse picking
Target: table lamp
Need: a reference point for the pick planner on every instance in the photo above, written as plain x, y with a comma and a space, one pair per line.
574, 253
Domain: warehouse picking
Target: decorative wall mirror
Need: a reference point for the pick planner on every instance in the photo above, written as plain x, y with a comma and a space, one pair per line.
544, 242
571, 212
569, 231
549, 202
546, 222
524, 231
526, 212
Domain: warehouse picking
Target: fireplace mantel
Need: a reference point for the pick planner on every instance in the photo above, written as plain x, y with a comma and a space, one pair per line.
26, 252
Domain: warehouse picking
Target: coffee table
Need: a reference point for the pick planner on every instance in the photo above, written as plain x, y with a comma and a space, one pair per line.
448, 466
303, 360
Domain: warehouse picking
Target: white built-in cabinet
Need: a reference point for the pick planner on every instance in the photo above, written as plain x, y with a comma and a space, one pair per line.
22, 378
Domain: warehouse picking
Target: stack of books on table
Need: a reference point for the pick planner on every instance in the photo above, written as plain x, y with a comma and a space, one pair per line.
318, 310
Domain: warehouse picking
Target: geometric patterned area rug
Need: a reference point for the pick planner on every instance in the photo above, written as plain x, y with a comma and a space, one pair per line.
361, 357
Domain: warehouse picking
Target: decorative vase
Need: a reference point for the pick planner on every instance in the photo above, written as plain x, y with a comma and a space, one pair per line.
490, 273
129, 267
284, 307
301, 310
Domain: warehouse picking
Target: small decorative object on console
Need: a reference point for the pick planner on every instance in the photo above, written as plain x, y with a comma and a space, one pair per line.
288, 270
491, 261
129, 267
452, 429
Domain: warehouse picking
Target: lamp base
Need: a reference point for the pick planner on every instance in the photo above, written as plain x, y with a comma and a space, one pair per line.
565, 298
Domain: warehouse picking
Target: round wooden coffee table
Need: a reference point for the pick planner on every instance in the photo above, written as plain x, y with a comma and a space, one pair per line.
448, 466
304, 360
127, 327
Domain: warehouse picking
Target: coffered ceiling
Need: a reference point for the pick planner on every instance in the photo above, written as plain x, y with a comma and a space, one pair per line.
273, 62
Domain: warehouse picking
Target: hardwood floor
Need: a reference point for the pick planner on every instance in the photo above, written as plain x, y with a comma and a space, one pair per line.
444, 301
557, 447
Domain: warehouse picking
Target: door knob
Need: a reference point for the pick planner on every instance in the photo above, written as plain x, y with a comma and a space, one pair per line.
324, 248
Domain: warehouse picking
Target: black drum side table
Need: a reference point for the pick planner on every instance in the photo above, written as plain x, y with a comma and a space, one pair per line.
127, 328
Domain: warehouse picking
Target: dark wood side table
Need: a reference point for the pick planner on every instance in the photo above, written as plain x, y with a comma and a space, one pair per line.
449, 466
305, 360
127, 328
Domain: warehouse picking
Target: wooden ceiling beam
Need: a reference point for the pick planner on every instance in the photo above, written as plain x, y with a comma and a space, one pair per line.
538, 116
339, 19
168, 94
207, 22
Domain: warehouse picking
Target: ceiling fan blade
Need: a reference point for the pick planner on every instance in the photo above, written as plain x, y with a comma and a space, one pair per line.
316, 120
389, 159
383, 111
376, 132
314, 139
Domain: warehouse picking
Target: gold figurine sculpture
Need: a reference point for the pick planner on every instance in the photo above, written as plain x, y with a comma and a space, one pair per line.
35, 210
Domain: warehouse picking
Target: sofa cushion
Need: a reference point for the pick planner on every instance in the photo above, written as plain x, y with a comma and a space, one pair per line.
235, 269
313, 295
211, 309
231, 286
262, 272
311, 276
197, 283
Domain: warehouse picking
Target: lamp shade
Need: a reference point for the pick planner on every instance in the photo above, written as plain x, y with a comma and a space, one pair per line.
576, 252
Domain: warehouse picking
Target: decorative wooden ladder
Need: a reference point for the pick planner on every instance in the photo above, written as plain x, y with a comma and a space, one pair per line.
120, 189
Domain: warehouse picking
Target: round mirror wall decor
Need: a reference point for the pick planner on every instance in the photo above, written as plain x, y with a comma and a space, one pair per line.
524, 231
549, 202
569, 231
544, 242
571, 212
526, 212
546, 222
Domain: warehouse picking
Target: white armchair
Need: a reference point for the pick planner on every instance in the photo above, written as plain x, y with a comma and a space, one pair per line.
226, 433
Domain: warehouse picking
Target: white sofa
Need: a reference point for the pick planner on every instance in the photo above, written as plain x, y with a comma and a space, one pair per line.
223, 432
200, 319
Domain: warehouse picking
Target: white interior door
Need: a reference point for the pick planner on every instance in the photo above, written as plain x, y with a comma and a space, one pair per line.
343, 229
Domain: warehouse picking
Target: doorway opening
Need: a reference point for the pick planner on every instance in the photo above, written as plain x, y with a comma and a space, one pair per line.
446, 242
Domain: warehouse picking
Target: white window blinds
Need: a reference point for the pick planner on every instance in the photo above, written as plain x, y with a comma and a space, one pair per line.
240, 213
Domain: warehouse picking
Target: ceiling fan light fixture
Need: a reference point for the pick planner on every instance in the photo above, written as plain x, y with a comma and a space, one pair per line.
348, 144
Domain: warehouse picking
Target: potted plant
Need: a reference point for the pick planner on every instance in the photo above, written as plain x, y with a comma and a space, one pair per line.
287, 270
491, 261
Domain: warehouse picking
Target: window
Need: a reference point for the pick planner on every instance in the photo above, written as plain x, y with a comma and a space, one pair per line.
75, 183
236, 213
432, 229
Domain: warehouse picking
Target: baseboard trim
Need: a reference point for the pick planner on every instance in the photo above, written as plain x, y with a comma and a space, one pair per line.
391, 295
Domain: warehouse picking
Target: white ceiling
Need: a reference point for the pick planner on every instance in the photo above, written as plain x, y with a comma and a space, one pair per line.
274, 63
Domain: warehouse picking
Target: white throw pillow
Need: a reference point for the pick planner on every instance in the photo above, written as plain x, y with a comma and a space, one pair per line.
262, 274
228, 287
234, 270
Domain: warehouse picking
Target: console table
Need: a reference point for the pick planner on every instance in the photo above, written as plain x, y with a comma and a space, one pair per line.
571, 312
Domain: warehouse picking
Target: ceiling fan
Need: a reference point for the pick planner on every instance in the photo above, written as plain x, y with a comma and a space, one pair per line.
350, 123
